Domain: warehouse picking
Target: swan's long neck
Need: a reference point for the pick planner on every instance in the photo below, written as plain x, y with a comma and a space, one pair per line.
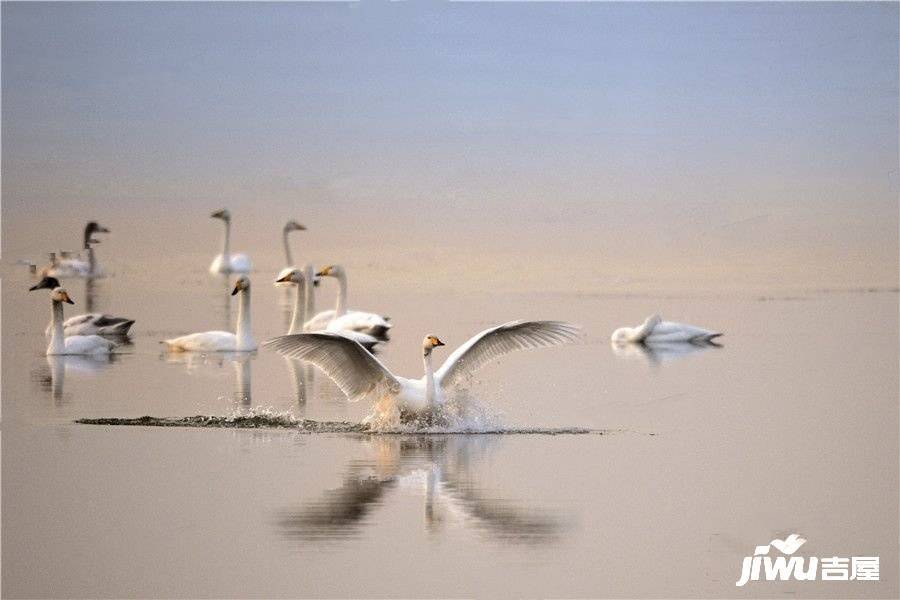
310, 276
341, 309
226, 245
87, 236
245, 339
429, 380
287, 249
57, 338
646, 328
300, 304
92, 261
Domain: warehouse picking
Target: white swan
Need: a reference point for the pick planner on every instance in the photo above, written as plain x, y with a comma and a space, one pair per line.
360, 375
77, 266
228, 262
288, 257
86, 324
222, 341
75, 344
304, 303
655, 330
341, 319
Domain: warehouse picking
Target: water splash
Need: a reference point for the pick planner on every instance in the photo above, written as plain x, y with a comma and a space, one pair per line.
445, 423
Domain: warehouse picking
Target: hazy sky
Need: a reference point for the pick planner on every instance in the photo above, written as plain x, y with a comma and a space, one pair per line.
639, 142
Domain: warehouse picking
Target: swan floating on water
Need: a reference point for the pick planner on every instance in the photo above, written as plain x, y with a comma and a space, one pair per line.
304, 303
69, 266
86, 324
222, 341
341, 319
655, 330
362, 376
74, 344
228, 262
288, 257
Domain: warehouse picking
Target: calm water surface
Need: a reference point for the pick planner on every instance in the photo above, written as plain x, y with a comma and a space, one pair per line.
790, 426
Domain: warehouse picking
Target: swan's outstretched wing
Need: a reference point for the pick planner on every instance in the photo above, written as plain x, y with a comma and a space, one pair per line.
351, 366
495, 342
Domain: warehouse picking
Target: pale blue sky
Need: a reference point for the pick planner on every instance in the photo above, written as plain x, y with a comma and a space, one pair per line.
776, 120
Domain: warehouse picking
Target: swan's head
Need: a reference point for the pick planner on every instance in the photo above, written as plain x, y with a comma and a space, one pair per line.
60, 295
331, 271
293, 226
291, 276
621, 335
430, 343
652, 321
222, 214
94, 227
46, 283
242, 283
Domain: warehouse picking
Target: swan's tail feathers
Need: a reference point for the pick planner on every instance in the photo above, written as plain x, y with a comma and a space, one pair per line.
711, 339
122, 327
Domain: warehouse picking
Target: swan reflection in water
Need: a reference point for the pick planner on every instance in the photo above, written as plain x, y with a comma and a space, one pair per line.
437, 467
52, 378
661, 352
240, 362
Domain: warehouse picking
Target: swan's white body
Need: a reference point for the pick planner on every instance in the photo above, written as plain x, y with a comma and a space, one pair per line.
305, 303
360, 375
73, 267
75, 344
77, 266
228, 262
235, 263
222, 341
94, 324
655, 330
340, 319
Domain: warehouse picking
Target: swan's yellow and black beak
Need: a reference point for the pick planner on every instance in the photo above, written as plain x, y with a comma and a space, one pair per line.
325, 272
241, 284
66, 299
435, 342
219, 214
285, 279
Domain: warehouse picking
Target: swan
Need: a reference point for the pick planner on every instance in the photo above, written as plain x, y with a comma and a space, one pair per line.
655, 330
75, 344
304, 303
288, 257
222, 341
86, 324
69, 266
341, 319
360, 375
228, 262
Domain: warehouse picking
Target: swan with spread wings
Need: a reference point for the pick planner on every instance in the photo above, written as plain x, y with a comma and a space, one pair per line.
362, 376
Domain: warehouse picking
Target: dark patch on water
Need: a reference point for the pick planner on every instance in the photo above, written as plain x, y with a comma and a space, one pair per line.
266, 421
